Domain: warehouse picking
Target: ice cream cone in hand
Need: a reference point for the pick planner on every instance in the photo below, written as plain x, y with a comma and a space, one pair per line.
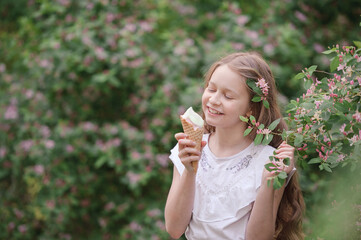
193, 126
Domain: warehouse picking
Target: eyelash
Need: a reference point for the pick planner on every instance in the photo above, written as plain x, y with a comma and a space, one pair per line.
212, 90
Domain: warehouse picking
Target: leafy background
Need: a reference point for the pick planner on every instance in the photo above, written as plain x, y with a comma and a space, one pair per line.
91, 91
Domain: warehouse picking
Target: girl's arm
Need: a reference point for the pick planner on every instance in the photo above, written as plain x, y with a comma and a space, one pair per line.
179, 206
262, 222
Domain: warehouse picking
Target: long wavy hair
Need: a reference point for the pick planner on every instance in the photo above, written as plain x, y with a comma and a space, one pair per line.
250, 65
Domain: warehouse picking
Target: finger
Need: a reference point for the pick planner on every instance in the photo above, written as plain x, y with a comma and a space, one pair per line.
185, 152
186, 142
180, 135
203, 144
285, 148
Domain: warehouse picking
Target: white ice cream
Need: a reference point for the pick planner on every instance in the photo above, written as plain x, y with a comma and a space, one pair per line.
193, 117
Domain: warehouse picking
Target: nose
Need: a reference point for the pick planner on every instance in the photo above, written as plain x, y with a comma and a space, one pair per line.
214, 99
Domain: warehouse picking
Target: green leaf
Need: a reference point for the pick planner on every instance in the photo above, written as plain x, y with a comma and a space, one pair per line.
314, 160
256, 99
328, 51
334, 64
267, 139
277, 183
282, 175
252, 84
326, 167
308, 83
357, 43
308, 105
266, 104
298, 140
274, 124
261, 126
268, 165
312, 69
299, 76
253, 119
248, 130
243, 119
100, 161
258, 139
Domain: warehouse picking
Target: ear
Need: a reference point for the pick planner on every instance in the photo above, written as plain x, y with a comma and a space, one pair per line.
249, 113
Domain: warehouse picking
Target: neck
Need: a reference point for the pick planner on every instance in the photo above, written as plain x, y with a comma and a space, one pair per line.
227, 142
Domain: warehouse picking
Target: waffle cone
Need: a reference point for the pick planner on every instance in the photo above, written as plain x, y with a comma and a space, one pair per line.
195, 135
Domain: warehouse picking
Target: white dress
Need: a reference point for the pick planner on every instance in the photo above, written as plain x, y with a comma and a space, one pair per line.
225, 191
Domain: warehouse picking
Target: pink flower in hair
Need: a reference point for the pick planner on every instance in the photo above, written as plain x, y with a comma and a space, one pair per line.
261, 83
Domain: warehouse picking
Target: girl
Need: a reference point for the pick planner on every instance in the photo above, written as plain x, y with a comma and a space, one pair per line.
228, 197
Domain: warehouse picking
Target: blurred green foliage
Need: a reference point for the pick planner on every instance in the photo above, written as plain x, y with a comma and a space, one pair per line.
91, 91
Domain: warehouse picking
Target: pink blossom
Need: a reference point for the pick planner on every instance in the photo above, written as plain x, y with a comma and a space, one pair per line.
154, 213
69, 148
135, 226
131, 27
39, 169
11, 226
87, 40
49, 144
162, 159
65, 3
2, 67
238, 46
103, 222
109, 206
341, 67
19, 214
242, 20
136, 155
318, 47
89, 126
261, 83
146, 26
340, 158
100, 53
45, 131
110, 17
300, 16
148, 135
318, 103
50, 204
357, 116
160, 225
11, 112
133, 177
26, 144
22, 228
252, 34
29, 93
3, 152
268, 48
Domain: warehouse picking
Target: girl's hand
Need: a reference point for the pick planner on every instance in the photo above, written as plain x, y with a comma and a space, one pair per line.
282, 152
187, 151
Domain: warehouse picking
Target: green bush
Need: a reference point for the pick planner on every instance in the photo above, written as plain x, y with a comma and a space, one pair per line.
90, 97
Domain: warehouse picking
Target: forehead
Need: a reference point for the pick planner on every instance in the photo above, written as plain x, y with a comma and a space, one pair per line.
225, 77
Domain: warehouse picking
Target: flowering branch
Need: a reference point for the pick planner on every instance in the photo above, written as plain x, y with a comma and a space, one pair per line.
325, 122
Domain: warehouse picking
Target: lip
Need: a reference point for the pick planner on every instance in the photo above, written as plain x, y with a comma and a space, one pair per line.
213, 114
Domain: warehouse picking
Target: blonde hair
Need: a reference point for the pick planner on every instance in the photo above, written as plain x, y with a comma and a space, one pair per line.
250, 65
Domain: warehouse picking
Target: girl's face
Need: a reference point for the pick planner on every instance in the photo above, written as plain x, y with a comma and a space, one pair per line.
225, 99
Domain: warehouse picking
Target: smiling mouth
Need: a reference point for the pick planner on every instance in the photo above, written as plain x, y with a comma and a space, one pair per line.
213, 111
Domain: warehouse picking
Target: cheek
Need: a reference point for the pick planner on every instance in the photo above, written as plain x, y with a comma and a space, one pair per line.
204, 98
